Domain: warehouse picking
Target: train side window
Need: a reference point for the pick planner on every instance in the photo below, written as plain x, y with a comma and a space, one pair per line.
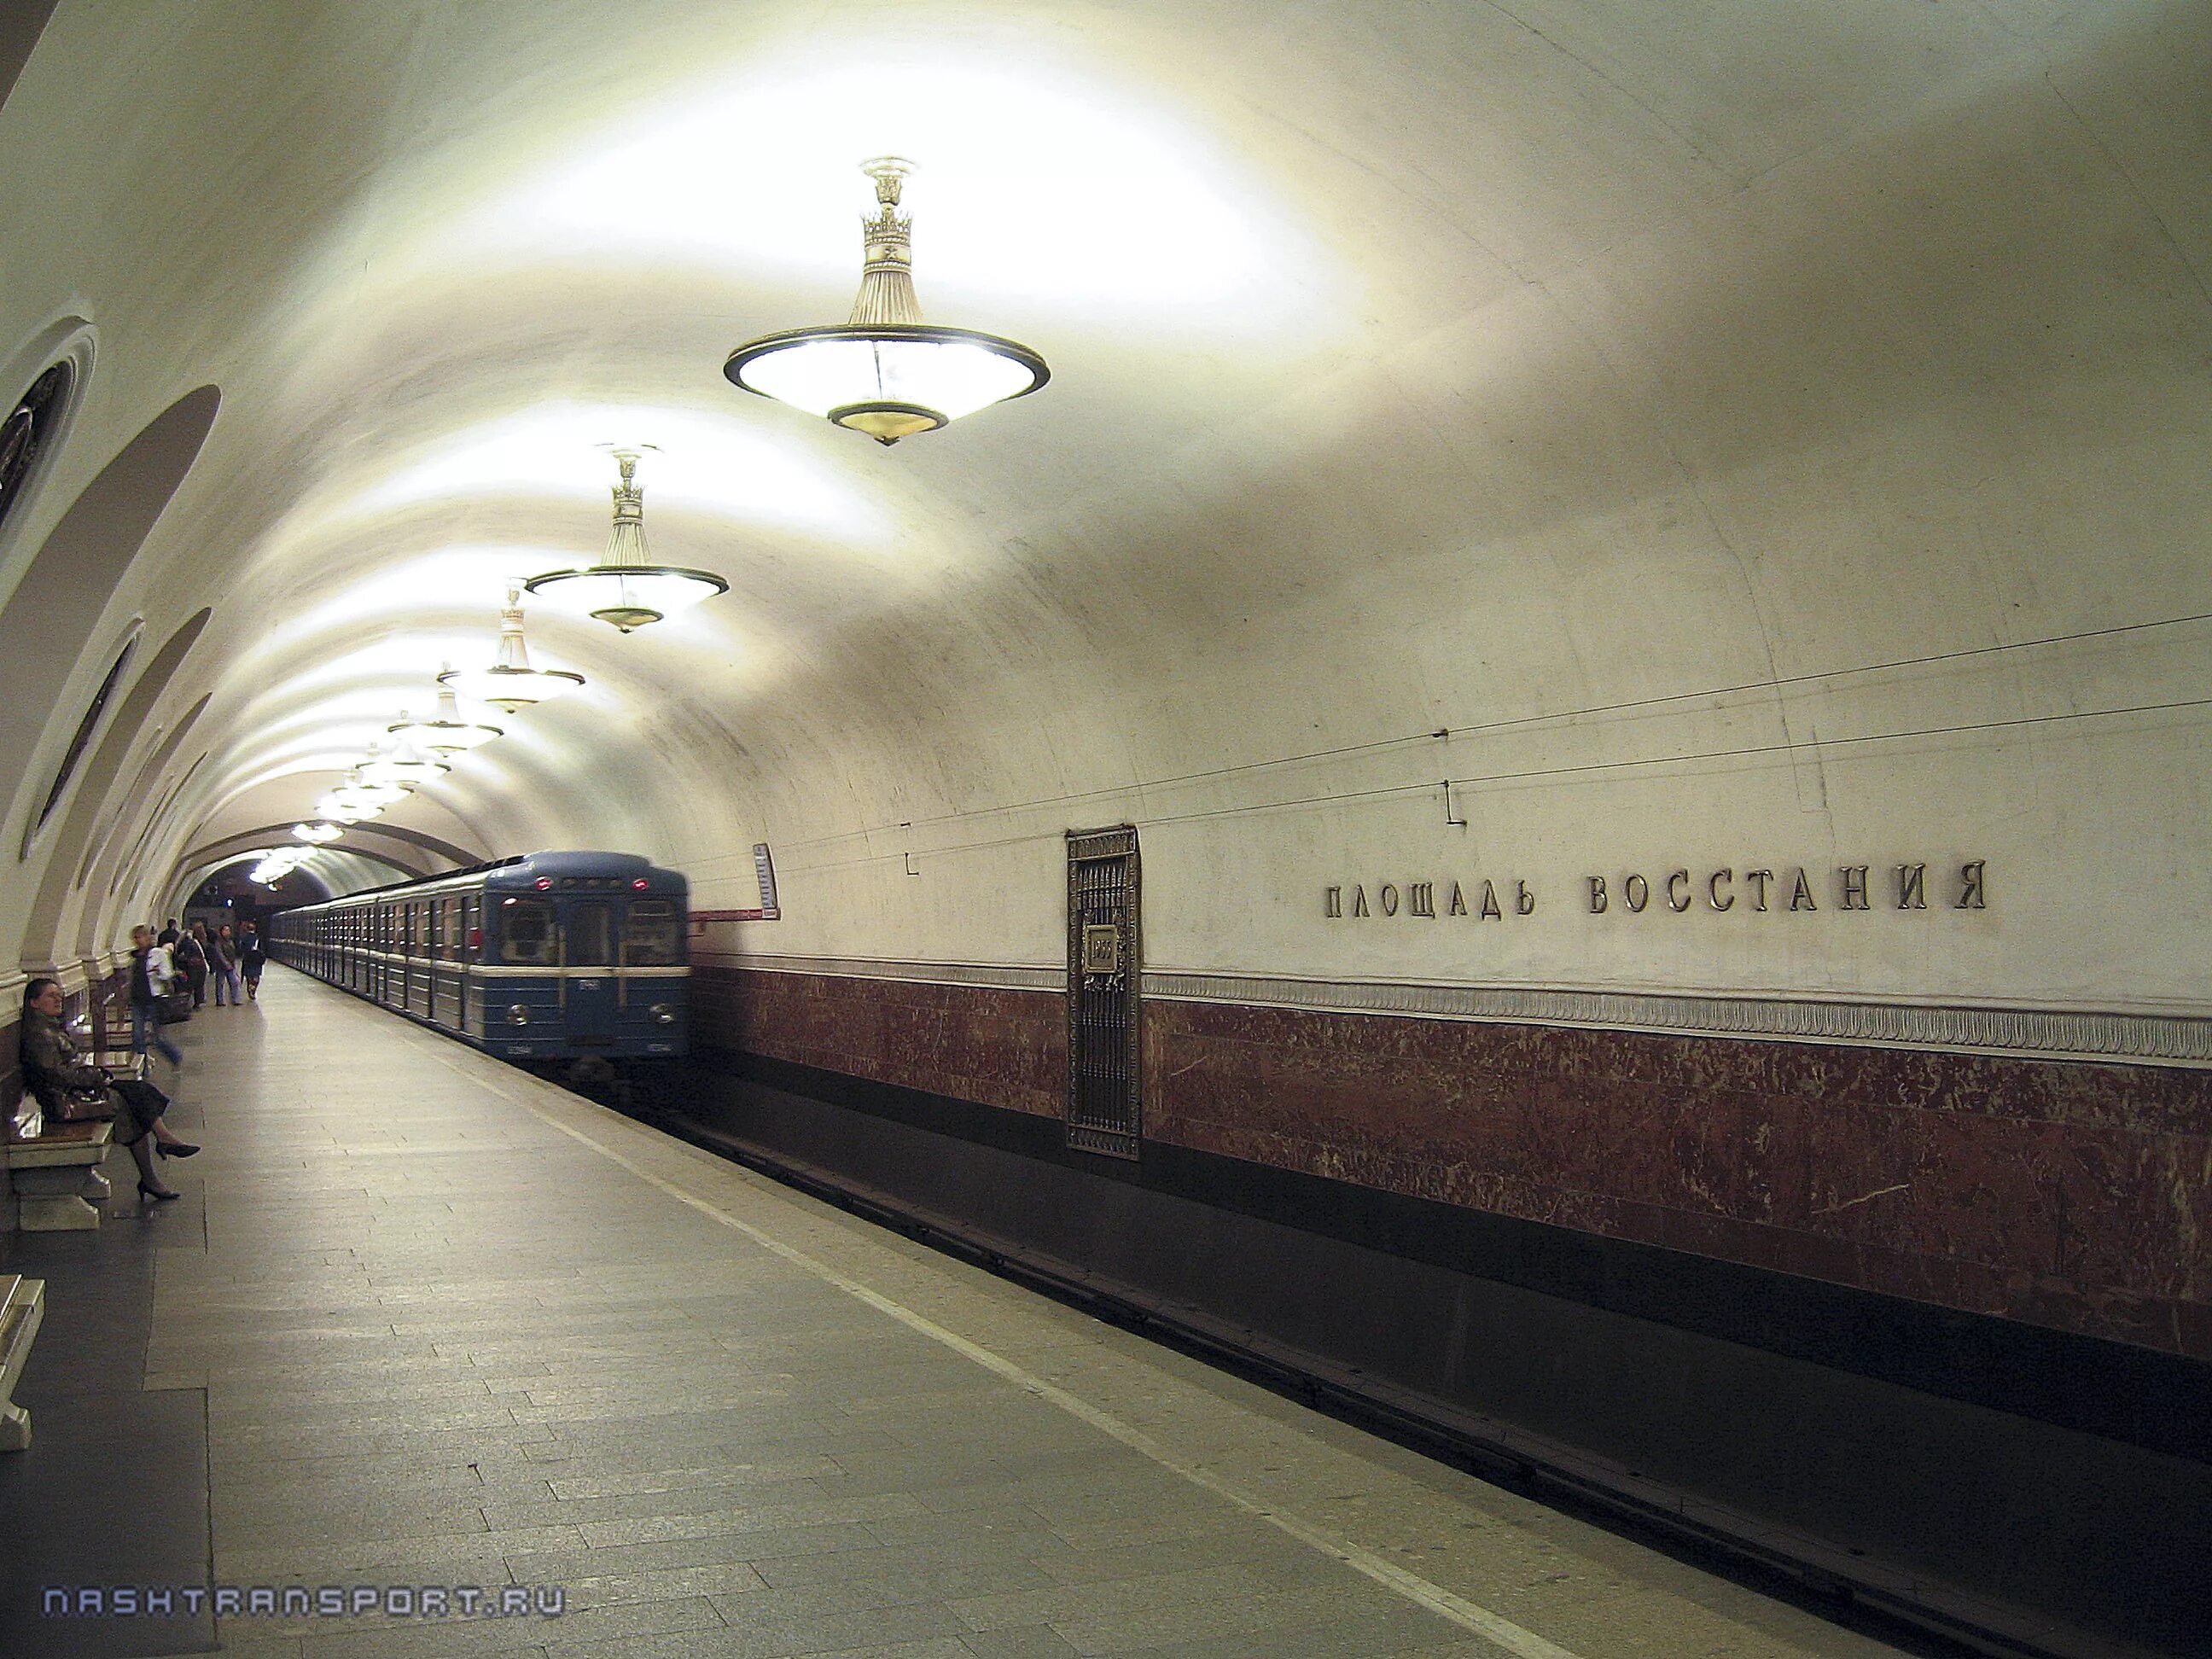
650, 939
590, 936
525, 927
471, 926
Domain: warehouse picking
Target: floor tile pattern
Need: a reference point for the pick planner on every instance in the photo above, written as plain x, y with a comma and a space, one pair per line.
457, 1329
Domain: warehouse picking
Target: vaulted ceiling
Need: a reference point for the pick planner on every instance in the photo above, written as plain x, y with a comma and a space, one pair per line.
1415, 367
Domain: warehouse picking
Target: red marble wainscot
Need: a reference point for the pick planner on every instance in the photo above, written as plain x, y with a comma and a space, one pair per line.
2067, 1201
1001, 1048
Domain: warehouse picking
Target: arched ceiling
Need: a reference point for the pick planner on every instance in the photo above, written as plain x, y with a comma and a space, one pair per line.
1415, 367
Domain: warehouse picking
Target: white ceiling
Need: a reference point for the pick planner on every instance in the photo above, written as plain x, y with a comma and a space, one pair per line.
1415, 365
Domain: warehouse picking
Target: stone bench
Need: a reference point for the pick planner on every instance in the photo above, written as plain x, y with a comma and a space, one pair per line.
49, 1183
22, 1307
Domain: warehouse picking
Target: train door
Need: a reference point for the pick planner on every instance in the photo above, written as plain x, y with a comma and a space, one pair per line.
587, 941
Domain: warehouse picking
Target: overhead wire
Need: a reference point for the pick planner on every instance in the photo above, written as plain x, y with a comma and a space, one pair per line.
1514, 722
1531, 773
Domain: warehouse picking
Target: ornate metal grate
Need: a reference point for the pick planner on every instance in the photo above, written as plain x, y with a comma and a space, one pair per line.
26, 431
1102, 991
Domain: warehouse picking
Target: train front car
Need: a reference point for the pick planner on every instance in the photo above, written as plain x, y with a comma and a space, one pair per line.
581, 954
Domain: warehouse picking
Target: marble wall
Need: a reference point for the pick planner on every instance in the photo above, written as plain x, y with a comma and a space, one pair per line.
2062, 1194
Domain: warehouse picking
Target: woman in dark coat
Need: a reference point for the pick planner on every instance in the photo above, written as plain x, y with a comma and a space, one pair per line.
252, 959
190, 954
53, 1066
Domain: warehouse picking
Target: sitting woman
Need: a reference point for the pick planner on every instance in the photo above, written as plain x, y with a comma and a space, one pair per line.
53, 1069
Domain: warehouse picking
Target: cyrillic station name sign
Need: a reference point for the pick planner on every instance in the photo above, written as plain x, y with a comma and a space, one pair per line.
1787, 890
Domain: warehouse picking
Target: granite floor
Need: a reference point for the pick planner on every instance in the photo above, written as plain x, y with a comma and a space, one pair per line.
424, 1323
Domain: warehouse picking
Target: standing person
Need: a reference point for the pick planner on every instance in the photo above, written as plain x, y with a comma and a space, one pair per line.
151, 974
191, 952
167, 936
223, 967
252, 959
52, 1067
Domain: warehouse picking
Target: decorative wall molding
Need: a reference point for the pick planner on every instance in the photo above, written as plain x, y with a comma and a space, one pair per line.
997, 976
2136, 1038
2145, 1037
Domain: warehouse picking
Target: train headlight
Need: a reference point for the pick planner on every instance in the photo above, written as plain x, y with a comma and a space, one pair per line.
518, 1014
663, 1014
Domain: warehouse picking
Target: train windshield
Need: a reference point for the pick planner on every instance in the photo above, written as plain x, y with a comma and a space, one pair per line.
649, 933
525, 927
590, 936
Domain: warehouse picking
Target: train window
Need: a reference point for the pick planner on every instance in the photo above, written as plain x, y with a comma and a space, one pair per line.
649, 933
471, 925
590, 936
526, 928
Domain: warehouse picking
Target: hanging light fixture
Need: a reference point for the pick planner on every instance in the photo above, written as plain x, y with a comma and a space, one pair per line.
357, 791
885, 372
279, 863
627, 588
318, 834
403, 764
511, 683
447, 732
339, 808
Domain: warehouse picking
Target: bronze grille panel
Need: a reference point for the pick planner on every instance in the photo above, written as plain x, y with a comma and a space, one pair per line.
1102, 991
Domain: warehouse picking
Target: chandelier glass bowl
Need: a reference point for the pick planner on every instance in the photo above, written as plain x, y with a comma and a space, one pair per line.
511, 683
447, 732
626, 589
885, 372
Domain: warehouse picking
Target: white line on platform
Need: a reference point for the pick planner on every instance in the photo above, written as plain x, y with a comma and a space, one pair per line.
1491, 1627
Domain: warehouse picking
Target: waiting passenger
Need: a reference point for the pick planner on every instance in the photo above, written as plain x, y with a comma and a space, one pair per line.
223, 967
252, 959
53, 1069
153, 976
191, 952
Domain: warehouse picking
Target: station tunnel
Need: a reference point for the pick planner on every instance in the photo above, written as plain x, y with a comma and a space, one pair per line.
1493, 717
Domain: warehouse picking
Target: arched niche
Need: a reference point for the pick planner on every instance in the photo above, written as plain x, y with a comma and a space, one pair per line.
50, 618
112, 847
22, 22
65, 846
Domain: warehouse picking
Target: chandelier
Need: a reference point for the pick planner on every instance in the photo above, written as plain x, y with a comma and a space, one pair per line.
447, 732
627, 588
403, 765
885, 372
357, 793
511, 683
317, 835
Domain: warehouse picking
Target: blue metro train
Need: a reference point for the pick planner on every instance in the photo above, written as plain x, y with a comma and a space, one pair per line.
549, 956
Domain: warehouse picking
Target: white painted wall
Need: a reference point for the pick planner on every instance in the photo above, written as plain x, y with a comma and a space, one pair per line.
1621, 388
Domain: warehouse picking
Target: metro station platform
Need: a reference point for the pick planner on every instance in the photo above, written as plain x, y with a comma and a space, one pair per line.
423, 1322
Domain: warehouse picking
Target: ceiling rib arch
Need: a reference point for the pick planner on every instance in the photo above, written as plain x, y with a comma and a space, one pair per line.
66, 846
55, 611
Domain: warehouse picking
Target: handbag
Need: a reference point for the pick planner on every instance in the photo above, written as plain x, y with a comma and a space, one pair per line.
87, 1105
173, 1008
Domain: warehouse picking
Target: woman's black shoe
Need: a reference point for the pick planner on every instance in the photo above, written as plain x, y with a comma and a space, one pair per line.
174, 1149
156, 1194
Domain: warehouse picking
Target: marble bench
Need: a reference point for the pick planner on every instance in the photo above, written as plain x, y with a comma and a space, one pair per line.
49, 1183
22, 1306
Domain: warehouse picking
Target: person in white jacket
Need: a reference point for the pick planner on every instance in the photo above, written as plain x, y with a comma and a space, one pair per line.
152, 972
